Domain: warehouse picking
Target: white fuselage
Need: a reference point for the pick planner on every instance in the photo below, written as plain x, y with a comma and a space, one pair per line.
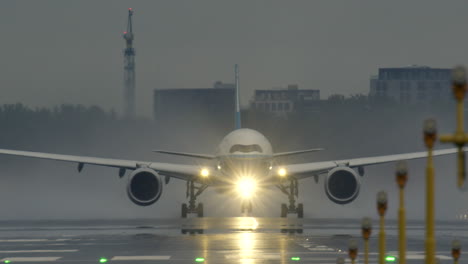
245, 153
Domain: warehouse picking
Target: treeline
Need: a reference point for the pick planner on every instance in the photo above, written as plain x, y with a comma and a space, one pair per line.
355, 125
342, 125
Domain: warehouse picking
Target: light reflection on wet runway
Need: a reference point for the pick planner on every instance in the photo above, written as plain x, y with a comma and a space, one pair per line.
213, 240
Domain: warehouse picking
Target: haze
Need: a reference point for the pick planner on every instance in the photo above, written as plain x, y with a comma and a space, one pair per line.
63, 52
71, 52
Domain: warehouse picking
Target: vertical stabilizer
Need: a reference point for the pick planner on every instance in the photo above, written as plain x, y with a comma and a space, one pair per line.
238, 113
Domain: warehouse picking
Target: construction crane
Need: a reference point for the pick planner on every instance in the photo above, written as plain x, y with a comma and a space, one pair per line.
129, 70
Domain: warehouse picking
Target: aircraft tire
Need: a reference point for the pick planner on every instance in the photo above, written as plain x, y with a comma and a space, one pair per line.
284, 210
200, 210
184, 210
300, 211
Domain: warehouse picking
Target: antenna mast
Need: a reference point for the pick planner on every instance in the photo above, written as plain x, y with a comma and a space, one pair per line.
129, 70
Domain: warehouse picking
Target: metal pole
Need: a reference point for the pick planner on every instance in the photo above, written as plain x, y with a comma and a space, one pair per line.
430, 133
456, 250
366, 232
459, 138
382, 208
402, 178
353, 250
402, 229
366, 251
382, 240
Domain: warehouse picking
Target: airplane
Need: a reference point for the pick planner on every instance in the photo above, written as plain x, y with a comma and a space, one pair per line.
243, 163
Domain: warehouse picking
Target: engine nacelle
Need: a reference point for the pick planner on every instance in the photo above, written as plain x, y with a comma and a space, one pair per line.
342, 185
144, 186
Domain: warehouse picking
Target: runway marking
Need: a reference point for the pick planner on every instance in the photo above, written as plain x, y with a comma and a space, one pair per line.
23, 240
31, 259
39, 251
420, 257
127, 258
320, 248
267, 256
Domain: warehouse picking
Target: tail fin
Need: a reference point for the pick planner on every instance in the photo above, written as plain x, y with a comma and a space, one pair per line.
238, 113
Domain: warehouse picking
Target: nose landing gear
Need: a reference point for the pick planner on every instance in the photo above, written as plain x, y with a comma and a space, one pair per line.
246, 206
193, 192
292, 191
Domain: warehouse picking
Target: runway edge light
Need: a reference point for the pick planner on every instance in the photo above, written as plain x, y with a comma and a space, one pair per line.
102, 260
390, 259
200, 260
7, 261
295, 258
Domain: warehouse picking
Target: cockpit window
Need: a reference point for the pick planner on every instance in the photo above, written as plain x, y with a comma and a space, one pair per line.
245, 148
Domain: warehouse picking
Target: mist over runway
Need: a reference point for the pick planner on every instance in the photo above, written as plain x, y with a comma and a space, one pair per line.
213, 240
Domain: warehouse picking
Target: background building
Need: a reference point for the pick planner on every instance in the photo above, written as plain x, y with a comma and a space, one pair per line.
413, 84
191, 104
284, 101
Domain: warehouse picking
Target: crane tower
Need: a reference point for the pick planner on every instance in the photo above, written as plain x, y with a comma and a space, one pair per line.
129, 70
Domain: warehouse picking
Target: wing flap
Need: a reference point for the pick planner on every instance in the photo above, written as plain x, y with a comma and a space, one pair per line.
185, 154
290, 153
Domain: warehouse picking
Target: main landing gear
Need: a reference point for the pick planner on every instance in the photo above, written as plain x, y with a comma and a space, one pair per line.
193, 191
292, 191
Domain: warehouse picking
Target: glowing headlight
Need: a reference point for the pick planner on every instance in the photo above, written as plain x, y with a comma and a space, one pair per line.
246, 187
282, 172
205, 172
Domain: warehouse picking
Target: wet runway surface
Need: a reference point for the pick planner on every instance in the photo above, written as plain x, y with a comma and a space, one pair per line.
208, 240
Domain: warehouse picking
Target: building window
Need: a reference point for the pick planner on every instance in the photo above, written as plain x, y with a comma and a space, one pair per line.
280, 106
286, 106
273, 106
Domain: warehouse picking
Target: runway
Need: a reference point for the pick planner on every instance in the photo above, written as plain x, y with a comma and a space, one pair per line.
207, 240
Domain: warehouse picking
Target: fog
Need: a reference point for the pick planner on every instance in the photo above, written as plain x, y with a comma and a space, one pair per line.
60, 52
37, 189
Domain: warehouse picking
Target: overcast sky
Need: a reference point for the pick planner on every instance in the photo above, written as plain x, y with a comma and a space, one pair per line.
57, 52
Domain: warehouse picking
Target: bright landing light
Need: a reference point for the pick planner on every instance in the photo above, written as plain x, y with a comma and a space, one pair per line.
282, 172
246, 187
205, 172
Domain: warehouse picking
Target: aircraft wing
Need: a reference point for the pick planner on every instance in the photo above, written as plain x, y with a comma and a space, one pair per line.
306, 170
297, 152
183, 172
185, 154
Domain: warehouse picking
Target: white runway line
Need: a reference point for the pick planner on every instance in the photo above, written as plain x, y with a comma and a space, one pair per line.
266, 256
23, 240
421, 257
31, 259
127, 258
39, 251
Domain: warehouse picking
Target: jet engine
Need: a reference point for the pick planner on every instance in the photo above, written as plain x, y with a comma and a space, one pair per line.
144, 186
342, 185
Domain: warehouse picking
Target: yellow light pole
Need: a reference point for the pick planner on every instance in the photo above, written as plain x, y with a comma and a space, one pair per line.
456, 250
459, 138
402, 178
430, 135
366, 233
382, 208
353, 250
